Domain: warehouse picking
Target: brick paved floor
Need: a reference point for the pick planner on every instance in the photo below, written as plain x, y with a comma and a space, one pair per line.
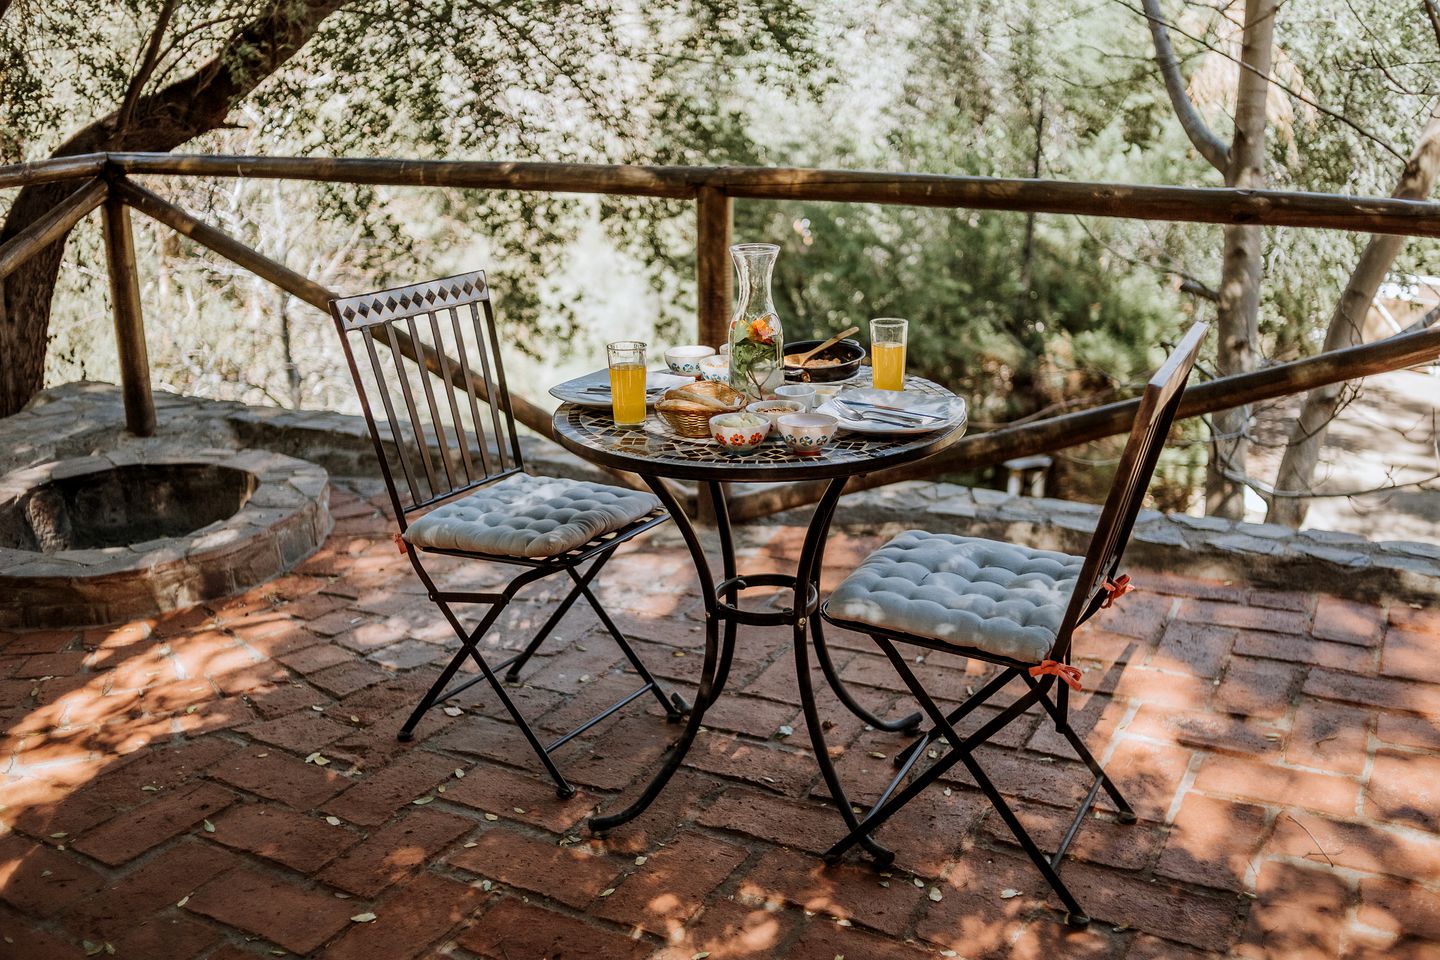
225, 783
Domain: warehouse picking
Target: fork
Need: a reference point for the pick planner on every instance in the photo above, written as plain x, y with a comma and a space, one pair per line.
894, 418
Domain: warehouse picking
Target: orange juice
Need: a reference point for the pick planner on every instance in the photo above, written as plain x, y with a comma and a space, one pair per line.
627, 393
887, 363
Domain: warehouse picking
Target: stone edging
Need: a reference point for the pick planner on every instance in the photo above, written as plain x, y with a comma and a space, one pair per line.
285, 519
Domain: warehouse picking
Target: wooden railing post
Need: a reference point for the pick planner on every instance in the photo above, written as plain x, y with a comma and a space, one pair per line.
714, 216
129, 322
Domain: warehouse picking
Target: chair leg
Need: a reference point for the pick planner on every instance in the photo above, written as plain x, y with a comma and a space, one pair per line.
1062, 724
976, 699
883, 855
906, 724
962, 750
512, 675
675, 705
1074, 916
563, 789
438, 687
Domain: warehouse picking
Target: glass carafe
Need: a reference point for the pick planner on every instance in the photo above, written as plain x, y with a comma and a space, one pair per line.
757, 343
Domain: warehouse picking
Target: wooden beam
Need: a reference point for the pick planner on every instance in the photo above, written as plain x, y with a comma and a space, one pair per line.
1217, 205
1178, 204
51, 227
714, 220
1083, 426
49, 171
129, 321
620, 179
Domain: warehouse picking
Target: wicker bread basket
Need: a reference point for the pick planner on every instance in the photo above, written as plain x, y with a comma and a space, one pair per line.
693, 425
688, 409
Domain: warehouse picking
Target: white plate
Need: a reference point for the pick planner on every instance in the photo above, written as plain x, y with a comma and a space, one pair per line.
952, 408
574, 391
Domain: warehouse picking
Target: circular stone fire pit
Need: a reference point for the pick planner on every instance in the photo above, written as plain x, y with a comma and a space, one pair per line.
102, 539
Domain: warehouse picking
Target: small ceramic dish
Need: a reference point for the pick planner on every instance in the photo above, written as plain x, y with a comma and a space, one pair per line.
804, 393
773, 410
806, 434
716, 367
825, 392
685, 361
739, 432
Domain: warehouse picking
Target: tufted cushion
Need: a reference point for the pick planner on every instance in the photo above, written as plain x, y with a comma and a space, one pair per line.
998, 597
526, 516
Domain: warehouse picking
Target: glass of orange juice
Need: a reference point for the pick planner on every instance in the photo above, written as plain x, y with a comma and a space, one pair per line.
887, 352
627, 381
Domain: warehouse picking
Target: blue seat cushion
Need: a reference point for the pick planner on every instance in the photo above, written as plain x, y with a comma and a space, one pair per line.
530, 516
1001, 598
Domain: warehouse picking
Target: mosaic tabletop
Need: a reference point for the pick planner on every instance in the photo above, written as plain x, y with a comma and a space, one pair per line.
656, 450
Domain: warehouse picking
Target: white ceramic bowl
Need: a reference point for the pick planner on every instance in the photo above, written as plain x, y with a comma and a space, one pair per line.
806, 434
773, 410
685, 361
825, 392
739, 432
716, 367
804, 393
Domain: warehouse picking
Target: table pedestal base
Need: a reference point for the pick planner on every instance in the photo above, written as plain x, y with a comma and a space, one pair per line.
722, 606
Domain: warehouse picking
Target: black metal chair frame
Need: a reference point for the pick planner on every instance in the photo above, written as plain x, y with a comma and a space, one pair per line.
377, 317
1094, 589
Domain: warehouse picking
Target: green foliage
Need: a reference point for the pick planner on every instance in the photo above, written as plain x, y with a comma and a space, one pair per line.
1024, 314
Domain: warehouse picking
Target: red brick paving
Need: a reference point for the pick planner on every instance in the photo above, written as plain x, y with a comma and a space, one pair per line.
161, 794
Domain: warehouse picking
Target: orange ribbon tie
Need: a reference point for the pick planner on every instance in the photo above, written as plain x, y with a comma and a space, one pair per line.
1115, 589
1066, 672
399, 541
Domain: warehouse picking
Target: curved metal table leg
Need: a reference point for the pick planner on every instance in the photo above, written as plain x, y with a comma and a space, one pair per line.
810, 558
712, 673
820, 525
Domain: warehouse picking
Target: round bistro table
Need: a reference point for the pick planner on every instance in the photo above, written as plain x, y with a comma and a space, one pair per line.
656, 455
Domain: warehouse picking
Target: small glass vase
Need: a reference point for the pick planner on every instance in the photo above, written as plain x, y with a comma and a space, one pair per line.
757, 342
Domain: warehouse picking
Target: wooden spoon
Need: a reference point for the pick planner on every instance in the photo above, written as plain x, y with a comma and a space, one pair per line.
798, 359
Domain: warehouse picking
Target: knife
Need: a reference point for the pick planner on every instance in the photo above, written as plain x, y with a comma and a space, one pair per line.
883, 406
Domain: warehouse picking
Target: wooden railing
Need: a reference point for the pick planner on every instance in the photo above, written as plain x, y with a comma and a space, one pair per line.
107, 184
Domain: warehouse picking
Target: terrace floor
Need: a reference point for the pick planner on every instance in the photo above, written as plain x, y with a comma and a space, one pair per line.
162, 791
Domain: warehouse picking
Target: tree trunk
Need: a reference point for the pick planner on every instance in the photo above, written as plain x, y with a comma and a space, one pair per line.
1239, 305
1347, 324
161, 122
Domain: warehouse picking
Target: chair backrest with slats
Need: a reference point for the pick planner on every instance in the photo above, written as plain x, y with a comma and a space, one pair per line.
1156, 413
429, 353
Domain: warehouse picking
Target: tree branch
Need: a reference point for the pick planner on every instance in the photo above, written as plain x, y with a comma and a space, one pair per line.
1431, 10
1211, 147
1330, 112
201, 101
146, 68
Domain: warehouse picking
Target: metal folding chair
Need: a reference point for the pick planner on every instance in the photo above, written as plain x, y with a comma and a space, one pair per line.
1004, 604
466, 494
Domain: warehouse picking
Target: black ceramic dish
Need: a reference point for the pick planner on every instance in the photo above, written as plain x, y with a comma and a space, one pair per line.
848, 351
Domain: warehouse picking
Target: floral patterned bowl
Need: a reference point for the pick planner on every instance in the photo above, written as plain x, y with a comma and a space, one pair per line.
716, 367
685, 361
806, 434
740, 432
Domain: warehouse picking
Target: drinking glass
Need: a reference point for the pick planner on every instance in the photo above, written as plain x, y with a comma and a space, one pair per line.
627, 381
887, 352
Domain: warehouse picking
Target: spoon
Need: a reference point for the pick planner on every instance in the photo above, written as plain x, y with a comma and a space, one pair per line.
798, 359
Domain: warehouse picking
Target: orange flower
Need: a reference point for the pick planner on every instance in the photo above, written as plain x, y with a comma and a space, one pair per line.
762, 330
